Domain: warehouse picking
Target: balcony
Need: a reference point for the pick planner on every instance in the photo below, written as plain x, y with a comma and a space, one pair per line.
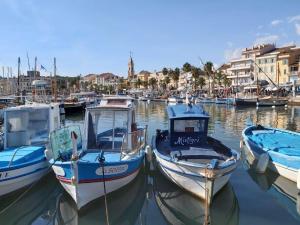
241, 67
242, 75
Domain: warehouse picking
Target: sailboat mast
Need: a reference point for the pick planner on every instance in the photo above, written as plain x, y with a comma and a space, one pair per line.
55, 83
18, 81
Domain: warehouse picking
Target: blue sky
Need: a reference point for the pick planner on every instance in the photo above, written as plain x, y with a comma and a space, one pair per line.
94, 36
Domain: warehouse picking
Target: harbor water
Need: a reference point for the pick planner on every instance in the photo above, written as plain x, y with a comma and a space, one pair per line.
248, 199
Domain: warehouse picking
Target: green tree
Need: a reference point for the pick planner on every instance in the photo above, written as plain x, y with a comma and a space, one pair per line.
226, 81
167, 81
208, 69
186, 67
195, 74
152, 82
139, 83
165, 71
201, 82
145, 84
219, 77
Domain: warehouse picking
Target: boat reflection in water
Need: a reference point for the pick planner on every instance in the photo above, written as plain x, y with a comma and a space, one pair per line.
124, 207
31, 206
281, 189
180, 207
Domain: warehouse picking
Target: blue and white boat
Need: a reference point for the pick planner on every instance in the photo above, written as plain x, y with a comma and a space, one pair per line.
110, 156
206, 100
190, 158
274, 148
26, 133
228, 101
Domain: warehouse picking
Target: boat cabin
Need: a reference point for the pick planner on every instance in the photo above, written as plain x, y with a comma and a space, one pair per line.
30, 125
109, 125
188, 125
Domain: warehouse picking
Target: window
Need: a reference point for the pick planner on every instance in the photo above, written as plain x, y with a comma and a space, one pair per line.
272, 69
266, 61
272, 60
285, 62
189, 126
259, 61
284, 71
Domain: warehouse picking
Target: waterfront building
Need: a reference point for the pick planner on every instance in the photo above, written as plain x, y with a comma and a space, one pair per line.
241, 70
143, 78
275, 65
288, 65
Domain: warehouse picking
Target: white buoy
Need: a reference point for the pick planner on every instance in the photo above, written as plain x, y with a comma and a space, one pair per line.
262, 163
48, 154
298, 180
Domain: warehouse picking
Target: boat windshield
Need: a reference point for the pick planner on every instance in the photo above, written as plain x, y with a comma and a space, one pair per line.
107, 128
27, 127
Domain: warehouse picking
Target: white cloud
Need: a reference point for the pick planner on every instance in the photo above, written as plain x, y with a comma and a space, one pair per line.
230, 54
266, 39
276, 22
293, 18
297, 26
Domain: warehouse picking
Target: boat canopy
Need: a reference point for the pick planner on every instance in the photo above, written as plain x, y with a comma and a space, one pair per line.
188, 125
29, 125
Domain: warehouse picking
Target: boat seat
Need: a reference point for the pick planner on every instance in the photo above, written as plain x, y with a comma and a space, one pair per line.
196, 153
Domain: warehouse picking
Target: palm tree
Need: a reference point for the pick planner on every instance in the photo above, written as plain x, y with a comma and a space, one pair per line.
165, 71
219, 77
175, 76
167, 81
152, 82
201, 82
145, 84
226, 81
208, 68
195, 73
187, 67
139, 82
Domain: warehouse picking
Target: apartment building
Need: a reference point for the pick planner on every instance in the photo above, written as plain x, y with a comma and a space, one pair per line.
241, 70
278, 64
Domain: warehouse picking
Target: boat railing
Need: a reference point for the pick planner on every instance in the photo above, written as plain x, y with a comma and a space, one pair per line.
13, 156
133, 142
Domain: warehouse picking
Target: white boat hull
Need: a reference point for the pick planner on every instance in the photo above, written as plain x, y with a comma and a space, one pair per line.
282, 170
189, 180
13, 180
83, 193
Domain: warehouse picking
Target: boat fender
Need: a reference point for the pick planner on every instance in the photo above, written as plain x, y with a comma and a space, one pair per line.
298, 180
73, 180
262, 163
48, 154
241, 143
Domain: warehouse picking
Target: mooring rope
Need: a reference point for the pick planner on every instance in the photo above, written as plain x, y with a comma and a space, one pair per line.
102, 162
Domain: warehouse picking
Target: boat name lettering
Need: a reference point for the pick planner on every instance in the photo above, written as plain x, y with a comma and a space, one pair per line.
186, 140
109, 170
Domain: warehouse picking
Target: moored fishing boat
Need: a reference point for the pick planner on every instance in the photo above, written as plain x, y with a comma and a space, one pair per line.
206, 100
179, 207
190, 158
26, 132
274, 148
111, 156
175, 100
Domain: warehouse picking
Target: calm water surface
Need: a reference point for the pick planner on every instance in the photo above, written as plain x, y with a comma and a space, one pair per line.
248, 198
